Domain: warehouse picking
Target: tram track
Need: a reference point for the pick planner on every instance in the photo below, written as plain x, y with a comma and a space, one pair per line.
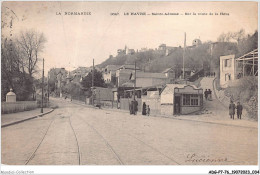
106, 142
33, 154
78, 148
139, 140
44, 136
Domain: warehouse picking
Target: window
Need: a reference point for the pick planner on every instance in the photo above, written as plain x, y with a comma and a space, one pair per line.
194, 100
227, 63
186, 99
190, 99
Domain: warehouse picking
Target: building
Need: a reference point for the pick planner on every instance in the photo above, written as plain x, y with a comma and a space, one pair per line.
232, 69
123, 74
109, 72
227, 69
171, 74
196, 42
166, 50
125, 51
181, 99
146, 79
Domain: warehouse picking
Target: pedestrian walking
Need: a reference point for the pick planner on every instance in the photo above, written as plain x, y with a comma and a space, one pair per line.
239, 110
232, 108
214, 74
144, 109
148, 110
210, 94
206, 94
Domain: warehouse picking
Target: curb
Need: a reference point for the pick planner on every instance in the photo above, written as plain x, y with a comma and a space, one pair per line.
20, 121
169, 117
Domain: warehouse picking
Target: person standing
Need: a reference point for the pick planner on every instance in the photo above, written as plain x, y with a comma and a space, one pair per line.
144, 109
206, 94
239, 110
148, 110
135, 107
232, 108
131, 107
209, 94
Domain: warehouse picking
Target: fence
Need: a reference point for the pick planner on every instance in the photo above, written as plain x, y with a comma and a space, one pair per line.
12, 107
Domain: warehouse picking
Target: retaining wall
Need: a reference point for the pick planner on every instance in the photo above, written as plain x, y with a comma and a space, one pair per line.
19, 106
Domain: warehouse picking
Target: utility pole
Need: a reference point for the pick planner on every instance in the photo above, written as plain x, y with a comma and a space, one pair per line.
48, 88
93, 83
135, 80
183, 56
42, 85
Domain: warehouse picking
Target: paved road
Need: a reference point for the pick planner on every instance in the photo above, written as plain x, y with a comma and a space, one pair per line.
74, 134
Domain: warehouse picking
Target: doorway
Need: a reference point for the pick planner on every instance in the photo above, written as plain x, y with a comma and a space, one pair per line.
177, 104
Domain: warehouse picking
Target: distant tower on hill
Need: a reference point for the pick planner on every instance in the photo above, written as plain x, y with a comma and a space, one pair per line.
126, 50
196, 42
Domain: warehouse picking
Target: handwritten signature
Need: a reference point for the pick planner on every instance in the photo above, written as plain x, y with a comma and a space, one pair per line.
194, 158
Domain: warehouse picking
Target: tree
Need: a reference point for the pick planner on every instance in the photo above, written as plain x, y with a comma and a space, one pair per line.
98, 80
31, 44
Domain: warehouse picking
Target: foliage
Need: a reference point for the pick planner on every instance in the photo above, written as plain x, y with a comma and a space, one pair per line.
18, 65
98, 80
205, 55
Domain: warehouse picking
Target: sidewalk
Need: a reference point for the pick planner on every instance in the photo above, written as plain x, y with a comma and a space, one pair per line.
213, 117
14, 118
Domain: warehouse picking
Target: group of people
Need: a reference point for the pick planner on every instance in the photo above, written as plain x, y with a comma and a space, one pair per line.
232, 110
208, 94
210, 74
133, 107
146, 111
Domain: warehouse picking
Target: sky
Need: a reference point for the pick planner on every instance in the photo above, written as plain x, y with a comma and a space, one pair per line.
75, 40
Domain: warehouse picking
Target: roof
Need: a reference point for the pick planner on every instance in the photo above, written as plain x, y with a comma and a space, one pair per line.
10, 94
249, 56
112, 67
149, 75
167, 70
170, 87
162, 45
128, 84
128, 66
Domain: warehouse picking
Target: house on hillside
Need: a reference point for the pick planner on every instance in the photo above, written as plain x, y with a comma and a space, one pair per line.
171, 74
166, 50
109, 72
123, 74
125, 51
181, 99
146, 79
232, 69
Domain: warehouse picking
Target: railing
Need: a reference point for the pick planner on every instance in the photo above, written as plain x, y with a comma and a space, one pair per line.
19, 106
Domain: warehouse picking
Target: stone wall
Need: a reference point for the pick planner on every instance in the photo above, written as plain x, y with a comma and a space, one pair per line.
19, 106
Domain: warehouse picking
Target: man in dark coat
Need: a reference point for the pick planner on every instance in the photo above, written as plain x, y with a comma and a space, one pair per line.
131, 107
135, 107
239, 110
144, 109
232, 108
206, 94
209, 95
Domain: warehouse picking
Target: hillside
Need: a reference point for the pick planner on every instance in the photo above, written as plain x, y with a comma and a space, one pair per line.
204, 55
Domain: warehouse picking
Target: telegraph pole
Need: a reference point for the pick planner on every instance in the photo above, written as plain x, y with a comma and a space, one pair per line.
135, 81
183, 56
42, 85
93, 83
48, 87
